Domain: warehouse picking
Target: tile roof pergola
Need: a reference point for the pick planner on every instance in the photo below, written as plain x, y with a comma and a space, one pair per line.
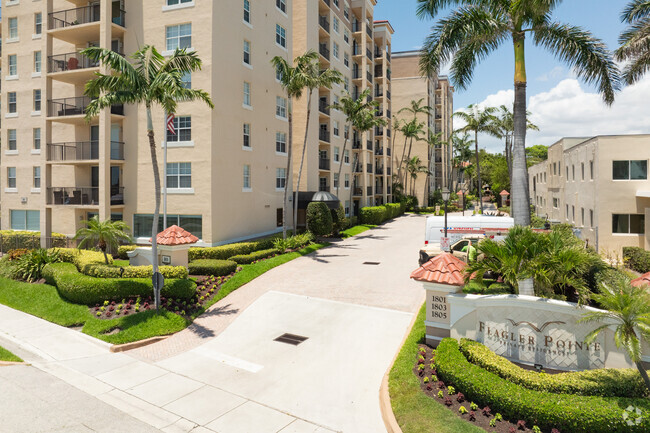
442, 269
174, 236
640, 281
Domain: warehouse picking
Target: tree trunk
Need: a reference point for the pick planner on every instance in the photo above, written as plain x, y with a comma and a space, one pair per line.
354, 176
289, 170
520, 202
341, 159
478, 174
644, 373
302, 160
401, 162
156, 213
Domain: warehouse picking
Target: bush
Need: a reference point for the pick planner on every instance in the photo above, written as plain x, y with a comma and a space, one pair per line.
100, 270
373, 215
122, 251
338, 219
319, 219
637, 259
292, 242
394, 210
30, 266
411, 202
224, 251
604, 382
254, 256
566, 412
17, 253
82, 289
217, 268
12, 239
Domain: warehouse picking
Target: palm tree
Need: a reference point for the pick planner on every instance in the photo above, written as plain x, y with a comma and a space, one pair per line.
635, 40
628, 308
478, 27
354, 110
412, 130
479, 120
507, 127
365, 121
102, 234
152, 80
313, 79
413, 167
293, 80
434, 142
462, 152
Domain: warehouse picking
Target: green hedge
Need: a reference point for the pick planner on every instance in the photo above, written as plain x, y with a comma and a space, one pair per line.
394, 209
223, 252
373, 215
247, 259
566, 412
215, 267
82, 289
637, 259
607, 382
103, 271
12, 239
122, 251
319, 219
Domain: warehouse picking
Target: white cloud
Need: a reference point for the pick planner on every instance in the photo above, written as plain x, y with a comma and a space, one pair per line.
553, 74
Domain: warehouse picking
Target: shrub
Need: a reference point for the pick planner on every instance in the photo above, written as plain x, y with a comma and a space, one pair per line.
603, 382
224, 251
574, 413
30, 266
394, 209
12, 239
292, 242
122, 251
213, 267
17, 253
246, 259
410, 202
319, 219
373, 215
637, 259
100, 270
82, 289
338, 219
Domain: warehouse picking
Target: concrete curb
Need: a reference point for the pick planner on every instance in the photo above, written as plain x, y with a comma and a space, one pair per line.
136, 344
384, 396
8, 363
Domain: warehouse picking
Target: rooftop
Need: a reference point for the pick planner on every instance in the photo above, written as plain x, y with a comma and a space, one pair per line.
175, 235
442, 269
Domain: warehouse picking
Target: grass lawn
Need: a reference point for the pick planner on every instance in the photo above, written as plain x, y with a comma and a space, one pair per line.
416, 412
5, 355
353, 231
43, 300
120, 263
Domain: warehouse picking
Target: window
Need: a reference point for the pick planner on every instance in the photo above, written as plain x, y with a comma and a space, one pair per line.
582, 216
573, 213
183, 127
280, 178
582, 168
336, 180
556, 202
336, 3
591, 170
178, 2
346, 11
247, 177
347, 208
12, 139
37, 62
37, 100
186, 80
337, 154
11, 177
38, 23
567, 172
179, 36
346, 84
346, 60
247, 135
13, 28
247, 11
281, 107
282, 5
567, 212
30, 220
336, 24
281, 142
179, 175
37, 138
573, 172
278, 74
628, 224
247, 94
280, 36
347, 180
247, 52
336, 128
142, 224
630, 170
37, 177
13, 65
13, 104
346, 35
591, 218
335, 50
346, 156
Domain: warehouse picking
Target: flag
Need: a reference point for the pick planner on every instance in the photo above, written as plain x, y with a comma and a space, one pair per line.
170, 124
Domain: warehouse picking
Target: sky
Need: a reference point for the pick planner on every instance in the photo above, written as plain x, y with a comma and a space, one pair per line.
561, 104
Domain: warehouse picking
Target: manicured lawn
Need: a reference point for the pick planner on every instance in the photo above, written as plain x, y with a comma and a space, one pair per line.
415, 412
120, 263
353, 231
5, 355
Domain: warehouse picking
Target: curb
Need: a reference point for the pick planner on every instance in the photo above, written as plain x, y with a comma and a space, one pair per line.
136, 344
384, 397
9, 363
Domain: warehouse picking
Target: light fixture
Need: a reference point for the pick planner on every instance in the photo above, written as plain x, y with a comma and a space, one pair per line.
445, 194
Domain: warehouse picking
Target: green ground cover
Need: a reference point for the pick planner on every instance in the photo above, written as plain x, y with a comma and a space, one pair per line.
353, 231
5, 355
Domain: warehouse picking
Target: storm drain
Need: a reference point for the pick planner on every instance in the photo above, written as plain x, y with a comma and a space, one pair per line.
371, 263
291, 339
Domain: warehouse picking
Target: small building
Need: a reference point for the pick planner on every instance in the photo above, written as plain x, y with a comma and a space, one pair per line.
173, 246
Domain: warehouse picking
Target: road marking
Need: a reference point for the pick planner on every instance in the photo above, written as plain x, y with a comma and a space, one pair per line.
228, 360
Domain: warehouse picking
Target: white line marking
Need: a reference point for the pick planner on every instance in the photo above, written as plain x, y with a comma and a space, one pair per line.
228, 360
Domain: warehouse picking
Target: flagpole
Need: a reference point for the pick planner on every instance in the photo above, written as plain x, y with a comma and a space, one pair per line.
165, 174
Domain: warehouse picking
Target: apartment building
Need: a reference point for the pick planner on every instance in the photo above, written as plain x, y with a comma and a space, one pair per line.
598, 184
226, 167
348, 40
410, 85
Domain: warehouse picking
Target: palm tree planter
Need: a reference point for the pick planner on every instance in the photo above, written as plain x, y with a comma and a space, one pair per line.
102, 234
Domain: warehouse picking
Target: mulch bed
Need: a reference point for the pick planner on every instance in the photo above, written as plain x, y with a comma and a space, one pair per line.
481, 417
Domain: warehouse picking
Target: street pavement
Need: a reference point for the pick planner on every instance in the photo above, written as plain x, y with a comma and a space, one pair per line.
352, 301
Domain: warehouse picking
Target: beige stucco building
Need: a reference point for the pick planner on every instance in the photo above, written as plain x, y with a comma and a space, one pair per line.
410, 85
600, 185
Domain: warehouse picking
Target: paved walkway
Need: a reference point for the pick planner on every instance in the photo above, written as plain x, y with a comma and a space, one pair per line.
227, 374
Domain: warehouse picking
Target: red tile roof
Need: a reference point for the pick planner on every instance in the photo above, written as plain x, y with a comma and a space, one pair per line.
442, 269
174, 235
643, 279
504, 192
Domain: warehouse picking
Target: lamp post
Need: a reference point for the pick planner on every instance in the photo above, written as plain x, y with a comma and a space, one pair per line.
445, 198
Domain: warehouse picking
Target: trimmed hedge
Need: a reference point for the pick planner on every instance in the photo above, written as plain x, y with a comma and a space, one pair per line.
637, 259
319, 219
394, 209
373, 215
103, 271
122, 251
13, 239
217, 268
607, 382
82, 289
223, 252
566, 412
254, 256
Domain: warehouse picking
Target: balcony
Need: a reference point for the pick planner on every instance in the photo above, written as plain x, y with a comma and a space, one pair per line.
324, 23
379, 190
369, 76
379, 170
356, 74
356, 50
80, 25
82, 196
379, 92
69, 62
388, 154
388, 58
358, 168
369, 168
379, 113
388, 113
323, 164
379, 151
82, 151
75, 106
324, 51
324, 135
357, 191
378, 53
388, 132
323, 107
324, 188
388, 94
379, 71
356, 144
388, 171
369, 144
368, 54
379, 131
356, 26
369, 190
369, 31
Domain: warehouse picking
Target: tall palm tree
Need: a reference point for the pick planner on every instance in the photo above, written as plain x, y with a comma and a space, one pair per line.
365, 121
628, 308
414, 166
152, 80
478, 27
506, 125
313, 79
479, 120
354, 110
416, 108
412, 130
462, 152
635, 40
102, 234
434, 141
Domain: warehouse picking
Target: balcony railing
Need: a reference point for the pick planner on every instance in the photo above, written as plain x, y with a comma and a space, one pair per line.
356, 144
378, 53
379, 131
388, 132
356, 49
69, 62
369, 168
369, 190
369, 30
388, 152
323, 107
379, 190
327, 2
324, 135
358, 168
387, 56
388, 171
379, 151
323, 164
325, 188
83, 15
356, 26
388, 94
388, 113
368, 54
379, 72
369, 144
324, 23
75, 106
324, 51
379, 113
368, 75
82, 151
379, 170
82, 196
379, 92
357, 191
356, 73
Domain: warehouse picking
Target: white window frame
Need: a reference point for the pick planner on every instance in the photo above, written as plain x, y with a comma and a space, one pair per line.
247, 12
36, 175
12, 29
247, 95
246, 180
12, 142
11, 178
246, 136
36, 143
38, 24
14, 103
281, 5
280, 142
280, 107
38, 63
13, 66
337, 154
247, 53
281, 36
174, 140
346, 182
179, 176
280, 178
171, 5
37, 103
174, 42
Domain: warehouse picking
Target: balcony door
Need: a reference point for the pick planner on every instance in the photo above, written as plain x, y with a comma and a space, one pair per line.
94, 142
